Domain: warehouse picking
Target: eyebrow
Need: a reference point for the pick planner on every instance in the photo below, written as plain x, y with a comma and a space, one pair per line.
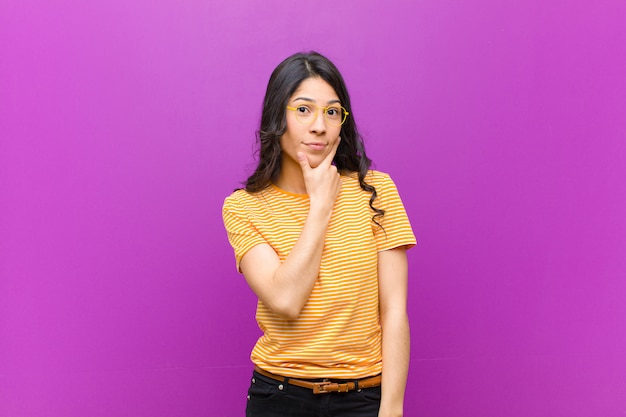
310, 100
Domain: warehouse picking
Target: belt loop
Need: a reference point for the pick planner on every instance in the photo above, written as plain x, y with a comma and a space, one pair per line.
356, 385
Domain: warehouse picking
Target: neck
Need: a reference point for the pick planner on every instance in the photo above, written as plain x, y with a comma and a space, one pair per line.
290, 178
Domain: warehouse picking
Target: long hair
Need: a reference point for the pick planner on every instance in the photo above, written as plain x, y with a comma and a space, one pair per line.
284, 81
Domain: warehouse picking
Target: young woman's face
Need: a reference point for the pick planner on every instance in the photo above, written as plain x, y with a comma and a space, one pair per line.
314, 139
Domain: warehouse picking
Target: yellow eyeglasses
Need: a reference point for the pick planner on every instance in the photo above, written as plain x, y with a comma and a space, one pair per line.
307, 114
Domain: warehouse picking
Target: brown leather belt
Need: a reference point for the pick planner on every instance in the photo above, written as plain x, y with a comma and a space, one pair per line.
324, 387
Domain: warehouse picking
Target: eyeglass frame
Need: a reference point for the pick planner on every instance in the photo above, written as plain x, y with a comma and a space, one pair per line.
325, 110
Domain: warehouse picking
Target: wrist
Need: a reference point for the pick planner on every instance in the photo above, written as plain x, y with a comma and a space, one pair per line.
386, 412
320, 210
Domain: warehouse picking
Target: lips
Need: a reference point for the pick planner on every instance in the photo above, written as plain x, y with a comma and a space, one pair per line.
317, 146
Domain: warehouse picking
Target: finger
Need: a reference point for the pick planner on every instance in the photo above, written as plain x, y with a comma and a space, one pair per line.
304, 161
333, 151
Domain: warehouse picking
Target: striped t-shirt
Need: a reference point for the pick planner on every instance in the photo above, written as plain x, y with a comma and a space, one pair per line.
337, 334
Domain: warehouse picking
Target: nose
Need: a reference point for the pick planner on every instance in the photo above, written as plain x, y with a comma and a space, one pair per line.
319, 124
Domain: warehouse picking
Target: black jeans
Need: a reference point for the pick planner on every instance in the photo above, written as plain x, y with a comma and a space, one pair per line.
270, 398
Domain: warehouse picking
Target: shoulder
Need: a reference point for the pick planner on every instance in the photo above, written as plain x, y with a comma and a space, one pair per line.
372, 176
235, 198
240, 199
378, 178
246, 203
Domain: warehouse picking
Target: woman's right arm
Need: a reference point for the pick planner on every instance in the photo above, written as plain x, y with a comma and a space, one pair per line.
285, 287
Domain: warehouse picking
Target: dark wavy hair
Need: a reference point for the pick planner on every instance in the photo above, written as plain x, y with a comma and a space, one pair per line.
283, 83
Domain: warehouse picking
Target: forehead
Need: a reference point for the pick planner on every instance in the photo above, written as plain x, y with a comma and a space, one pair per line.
315, 89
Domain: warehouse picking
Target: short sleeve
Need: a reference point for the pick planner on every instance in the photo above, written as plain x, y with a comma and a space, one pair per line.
395, 228
242, 234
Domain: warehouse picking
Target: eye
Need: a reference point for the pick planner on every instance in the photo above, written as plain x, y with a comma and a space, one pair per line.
303, 110
333, 112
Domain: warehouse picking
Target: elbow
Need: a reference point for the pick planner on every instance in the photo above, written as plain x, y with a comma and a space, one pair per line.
286, 310
289, 315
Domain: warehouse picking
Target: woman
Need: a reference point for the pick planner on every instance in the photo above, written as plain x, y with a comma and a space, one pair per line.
321, 239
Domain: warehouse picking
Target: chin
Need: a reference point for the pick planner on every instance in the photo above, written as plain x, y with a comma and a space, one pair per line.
315, 163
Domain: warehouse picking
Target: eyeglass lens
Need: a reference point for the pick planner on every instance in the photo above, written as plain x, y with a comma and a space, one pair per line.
334, 115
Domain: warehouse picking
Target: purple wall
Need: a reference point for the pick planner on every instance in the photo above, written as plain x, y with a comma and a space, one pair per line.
124, 124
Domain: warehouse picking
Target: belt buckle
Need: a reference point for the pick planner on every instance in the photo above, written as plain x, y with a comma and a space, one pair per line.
320, 387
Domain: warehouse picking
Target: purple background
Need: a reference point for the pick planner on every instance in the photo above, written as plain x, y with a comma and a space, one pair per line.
124, 124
